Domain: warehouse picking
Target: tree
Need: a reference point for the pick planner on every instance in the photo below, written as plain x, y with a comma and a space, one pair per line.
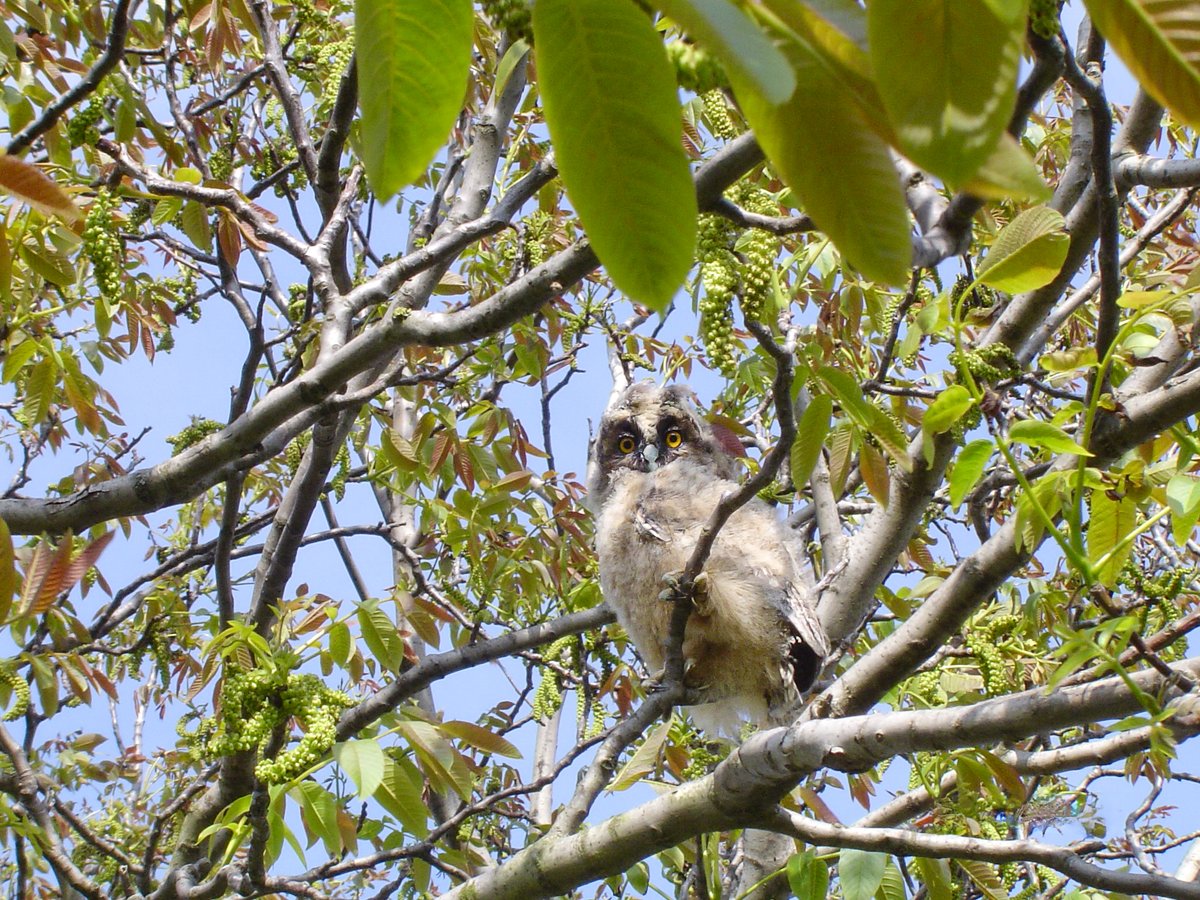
947, 304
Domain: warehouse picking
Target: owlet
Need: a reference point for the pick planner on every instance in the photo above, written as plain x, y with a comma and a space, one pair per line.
656, 471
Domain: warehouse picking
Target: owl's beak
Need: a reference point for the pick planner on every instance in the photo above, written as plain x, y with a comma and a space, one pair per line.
650, 454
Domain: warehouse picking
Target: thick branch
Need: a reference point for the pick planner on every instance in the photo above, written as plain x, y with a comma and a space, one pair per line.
904, 842
752, 779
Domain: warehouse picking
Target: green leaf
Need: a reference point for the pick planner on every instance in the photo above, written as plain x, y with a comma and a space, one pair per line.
363, 761
318, 812
842, 172
1110, 520
8, 571
1028, 252
946, 409
848, 392
869, 418
949, 109
860, 872
985, 878
1008, 174
439, 760
381, 636
482, 738
1068, 360
1183, 497
195, 225
740, 44
1036, 433
836, 30
1157, 40
340, 643
413, 60
935, 873
638, 876
892, 886
807, 875
612, 109
400, 793
1142, 299
810, 435
644, 760
508, 64
16, 358
968, 469
49, 263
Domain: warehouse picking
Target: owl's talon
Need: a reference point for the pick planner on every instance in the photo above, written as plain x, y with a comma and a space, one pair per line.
699, 593
701, 599
673, 592
654, 683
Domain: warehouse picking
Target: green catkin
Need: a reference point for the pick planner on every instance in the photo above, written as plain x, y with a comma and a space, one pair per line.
103, 247
20, 691
717, 113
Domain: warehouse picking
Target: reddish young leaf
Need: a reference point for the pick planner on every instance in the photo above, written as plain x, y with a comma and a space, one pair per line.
27, 182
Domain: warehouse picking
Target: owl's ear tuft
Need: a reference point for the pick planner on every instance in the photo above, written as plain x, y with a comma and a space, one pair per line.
725, 433
681, 394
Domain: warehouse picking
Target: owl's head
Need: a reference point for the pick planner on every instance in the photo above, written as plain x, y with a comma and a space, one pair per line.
647, 428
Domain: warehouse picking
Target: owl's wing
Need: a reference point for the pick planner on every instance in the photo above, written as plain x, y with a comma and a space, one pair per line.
809, 645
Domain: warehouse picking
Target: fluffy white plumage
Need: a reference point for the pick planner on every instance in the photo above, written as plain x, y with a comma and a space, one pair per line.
753, 643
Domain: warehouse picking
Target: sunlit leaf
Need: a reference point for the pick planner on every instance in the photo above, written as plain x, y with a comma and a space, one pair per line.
400, 793
1037, 433
892, 885
950, 110
1027, 253
1068, 360
985, 878
1008, 173
1183, 496
644, 760
836, 30
480, 737
8, 571
740, 44
1111, 519
613, 113
968, 468
318, 812
381, 636
810, 435
1159, 41
807, 875
935, 873
944, 412
860, 872
842, 172
362, 760
413, 58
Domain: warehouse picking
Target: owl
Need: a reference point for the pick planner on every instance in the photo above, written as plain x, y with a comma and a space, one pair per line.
656, 471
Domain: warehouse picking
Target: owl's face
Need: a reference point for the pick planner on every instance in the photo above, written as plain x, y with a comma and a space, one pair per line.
649, 428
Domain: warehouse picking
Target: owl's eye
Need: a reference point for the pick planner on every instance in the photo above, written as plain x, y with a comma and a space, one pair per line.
673, 438
626, 444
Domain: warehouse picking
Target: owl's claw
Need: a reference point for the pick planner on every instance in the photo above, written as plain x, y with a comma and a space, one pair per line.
694, 690
699, 594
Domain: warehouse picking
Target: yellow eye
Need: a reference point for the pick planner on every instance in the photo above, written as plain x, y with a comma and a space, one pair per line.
674, 439
626, 444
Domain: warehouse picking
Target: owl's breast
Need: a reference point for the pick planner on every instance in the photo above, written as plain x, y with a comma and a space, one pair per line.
637, 543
